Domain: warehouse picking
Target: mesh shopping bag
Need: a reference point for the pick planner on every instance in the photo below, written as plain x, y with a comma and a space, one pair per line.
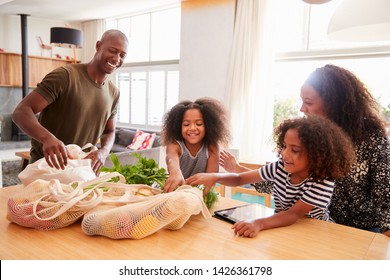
48, 205
146, 216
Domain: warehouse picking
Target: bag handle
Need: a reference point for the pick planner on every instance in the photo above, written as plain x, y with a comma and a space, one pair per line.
78, 152
97, 196
68, 200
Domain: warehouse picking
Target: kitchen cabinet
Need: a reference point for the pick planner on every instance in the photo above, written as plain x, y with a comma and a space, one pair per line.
38, 67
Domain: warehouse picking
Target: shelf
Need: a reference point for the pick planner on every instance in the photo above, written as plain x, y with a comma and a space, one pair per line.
38, 67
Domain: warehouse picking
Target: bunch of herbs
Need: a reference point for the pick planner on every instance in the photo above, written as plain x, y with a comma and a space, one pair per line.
146, 171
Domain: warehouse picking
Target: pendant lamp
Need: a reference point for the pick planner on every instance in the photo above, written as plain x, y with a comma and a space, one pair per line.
66, 38
315, 1
361, 21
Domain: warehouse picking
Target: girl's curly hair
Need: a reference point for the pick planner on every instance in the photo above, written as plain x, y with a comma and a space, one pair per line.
215, 118
329, 149
347, 102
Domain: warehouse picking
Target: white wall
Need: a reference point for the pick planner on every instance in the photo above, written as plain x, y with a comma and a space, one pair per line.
11, 41
11, 35
206, 41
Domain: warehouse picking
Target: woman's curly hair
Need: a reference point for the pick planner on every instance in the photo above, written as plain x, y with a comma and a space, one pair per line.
329, 149
347, 101
215, 118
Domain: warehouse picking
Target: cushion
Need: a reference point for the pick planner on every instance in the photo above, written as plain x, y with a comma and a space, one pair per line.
124, 136
142, 140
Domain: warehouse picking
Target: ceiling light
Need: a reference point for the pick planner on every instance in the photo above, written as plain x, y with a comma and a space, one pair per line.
66, 38
315, 1
361, 20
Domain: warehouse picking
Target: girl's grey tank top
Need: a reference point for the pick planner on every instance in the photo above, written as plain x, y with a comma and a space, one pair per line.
191, 165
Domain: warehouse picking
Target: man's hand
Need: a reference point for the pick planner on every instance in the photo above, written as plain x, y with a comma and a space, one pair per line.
55, 153
98, 158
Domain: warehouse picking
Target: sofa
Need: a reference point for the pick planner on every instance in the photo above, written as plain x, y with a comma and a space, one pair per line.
124, 137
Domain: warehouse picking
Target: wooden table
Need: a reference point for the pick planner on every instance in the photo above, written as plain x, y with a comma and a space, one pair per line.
199, 239
25, 155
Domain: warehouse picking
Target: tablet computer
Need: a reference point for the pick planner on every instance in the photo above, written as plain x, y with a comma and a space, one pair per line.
244, 213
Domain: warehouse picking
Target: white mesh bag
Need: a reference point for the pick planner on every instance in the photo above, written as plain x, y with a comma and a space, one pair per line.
146, 216
48, 205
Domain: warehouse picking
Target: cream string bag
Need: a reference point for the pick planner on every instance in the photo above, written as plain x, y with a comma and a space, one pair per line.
143, 217
113, 209
48, 205
77, 169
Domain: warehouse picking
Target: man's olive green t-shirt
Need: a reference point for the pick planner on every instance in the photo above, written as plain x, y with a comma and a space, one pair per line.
78, 109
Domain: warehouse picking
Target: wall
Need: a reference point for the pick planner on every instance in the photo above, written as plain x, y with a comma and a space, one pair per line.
10, 38
10, 41
206, 41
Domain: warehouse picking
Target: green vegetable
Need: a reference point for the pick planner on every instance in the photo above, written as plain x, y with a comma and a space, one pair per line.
146, 171
211, 197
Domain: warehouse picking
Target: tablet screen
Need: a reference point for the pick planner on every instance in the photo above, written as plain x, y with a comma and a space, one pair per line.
244, 213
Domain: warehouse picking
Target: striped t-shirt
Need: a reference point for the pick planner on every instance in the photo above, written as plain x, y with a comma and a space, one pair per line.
286, 194
190, 165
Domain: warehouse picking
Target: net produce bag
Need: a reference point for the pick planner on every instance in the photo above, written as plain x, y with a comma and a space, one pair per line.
49, 205
146, 216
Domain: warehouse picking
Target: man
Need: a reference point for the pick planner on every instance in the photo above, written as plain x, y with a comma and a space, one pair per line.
77, 105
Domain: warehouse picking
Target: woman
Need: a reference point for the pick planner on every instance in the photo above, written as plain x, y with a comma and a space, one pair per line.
361, 199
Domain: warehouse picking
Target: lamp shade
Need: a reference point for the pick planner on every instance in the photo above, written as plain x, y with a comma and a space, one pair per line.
361, 21
66, 37
315, 1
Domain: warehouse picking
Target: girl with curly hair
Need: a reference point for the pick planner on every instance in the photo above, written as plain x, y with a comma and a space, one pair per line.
192, 133
313, 152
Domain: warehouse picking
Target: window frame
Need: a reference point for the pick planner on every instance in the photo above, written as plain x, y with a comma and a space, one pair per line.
150, 66
147, 66
351, 52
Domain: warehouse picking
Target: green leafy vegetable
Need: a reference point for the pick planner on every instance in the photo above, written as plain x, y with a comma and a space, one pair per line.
211, 197
146, 171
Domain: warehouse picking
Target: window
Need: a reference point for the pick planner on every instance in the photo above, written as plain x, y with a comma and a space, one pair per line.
149, 78
302, 45
147, 92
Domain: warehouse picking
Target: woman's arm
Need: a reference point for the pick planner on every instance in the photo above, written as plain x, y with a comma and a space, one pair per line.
230, 163
284, 218
378, 161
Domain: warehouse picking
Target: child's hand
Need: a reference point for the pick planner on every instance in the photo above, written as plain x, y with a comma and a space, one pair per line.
229, 162
173, 181
207, 179
247, 229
